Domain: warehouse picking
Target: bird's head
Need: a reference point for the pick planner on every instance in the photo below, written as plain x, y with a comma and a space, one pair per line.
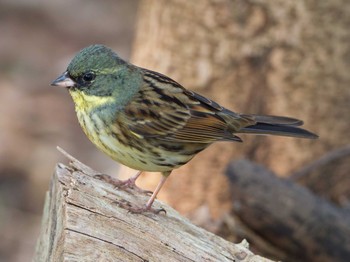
94, 70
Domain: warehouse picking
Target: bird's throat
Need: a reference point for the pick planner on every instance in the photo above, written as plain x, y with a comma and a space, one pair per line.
85, 102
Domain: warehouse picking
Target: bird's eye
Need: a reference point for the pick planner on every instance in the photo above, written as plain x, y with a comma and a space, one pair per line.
89, 76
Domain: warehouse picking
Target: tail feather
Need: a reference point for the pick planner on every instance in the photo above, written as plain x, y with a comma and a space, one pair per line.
277, 120
276, 125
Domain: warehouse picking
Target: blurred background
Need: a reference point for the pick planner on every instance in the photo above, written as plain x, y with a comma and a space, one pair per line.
279, 57
38, 39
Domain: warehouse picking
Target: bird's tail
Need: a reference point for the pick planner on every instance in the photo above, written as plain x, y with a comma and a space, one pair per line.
277, 125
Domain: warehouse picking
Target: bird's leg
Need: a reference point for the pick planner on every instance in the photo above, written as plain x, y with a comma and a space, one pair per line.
124, 184
155, 193
148, 206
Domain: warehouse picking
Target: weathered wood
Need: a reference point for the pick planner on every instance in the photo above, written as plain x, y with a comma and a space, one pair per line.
83, 221
299, 225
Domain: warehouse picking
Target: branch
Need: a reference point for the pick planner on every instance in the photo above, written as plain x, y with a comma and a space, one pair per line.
322, 161
288, 216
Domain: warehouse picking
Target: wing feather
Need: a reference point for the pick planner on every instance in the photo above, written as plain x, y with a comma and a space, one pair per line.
163, 109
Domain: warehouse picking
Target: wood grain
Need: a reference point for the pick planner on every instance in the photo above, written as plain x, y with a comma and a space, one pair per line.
84, 221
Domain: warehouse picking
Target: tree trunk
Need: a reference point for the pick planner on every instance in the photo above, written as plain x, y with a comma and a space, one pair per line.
84, 220
280, 57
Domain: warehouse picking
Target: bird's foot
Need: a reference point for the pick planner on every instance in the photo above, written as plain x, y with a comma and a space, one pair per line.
123, 184
141, 210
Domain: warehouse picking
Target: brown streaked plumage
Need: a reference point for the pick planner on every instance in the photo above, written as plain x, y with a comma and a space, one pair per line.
149, 122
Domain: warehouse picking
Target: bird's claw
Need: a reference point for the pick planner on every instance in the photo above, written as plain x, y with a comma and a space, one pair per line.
140, 210
122, 184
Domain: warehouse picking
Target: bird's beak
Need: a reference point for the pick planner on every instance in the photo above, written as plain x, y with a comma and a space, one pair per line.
63, 80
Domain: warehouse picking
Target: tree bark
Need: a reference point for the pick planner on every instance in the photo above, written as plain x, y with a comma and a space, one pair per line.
280, 57
84, 221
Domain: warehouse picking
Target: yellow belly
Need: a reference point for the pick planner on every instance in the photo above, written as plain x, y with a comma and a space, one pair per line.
153, 160
144, 155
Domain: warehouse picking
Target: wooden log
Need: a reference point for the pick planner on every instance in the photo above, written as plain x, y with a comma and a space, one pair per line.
84, 221
315, 176
299, 225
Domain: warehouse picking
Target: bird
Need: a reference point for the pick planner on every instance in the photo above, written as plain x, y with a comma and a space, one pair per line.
147, 121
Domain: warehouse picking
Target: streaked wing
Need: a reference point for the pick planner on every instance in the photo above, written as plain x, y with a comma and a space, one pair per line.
164, 109
155, 111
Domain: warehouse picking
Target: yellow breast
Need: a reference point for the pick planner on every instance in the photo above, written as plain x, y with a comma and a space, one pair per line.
105, 133
120, 143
